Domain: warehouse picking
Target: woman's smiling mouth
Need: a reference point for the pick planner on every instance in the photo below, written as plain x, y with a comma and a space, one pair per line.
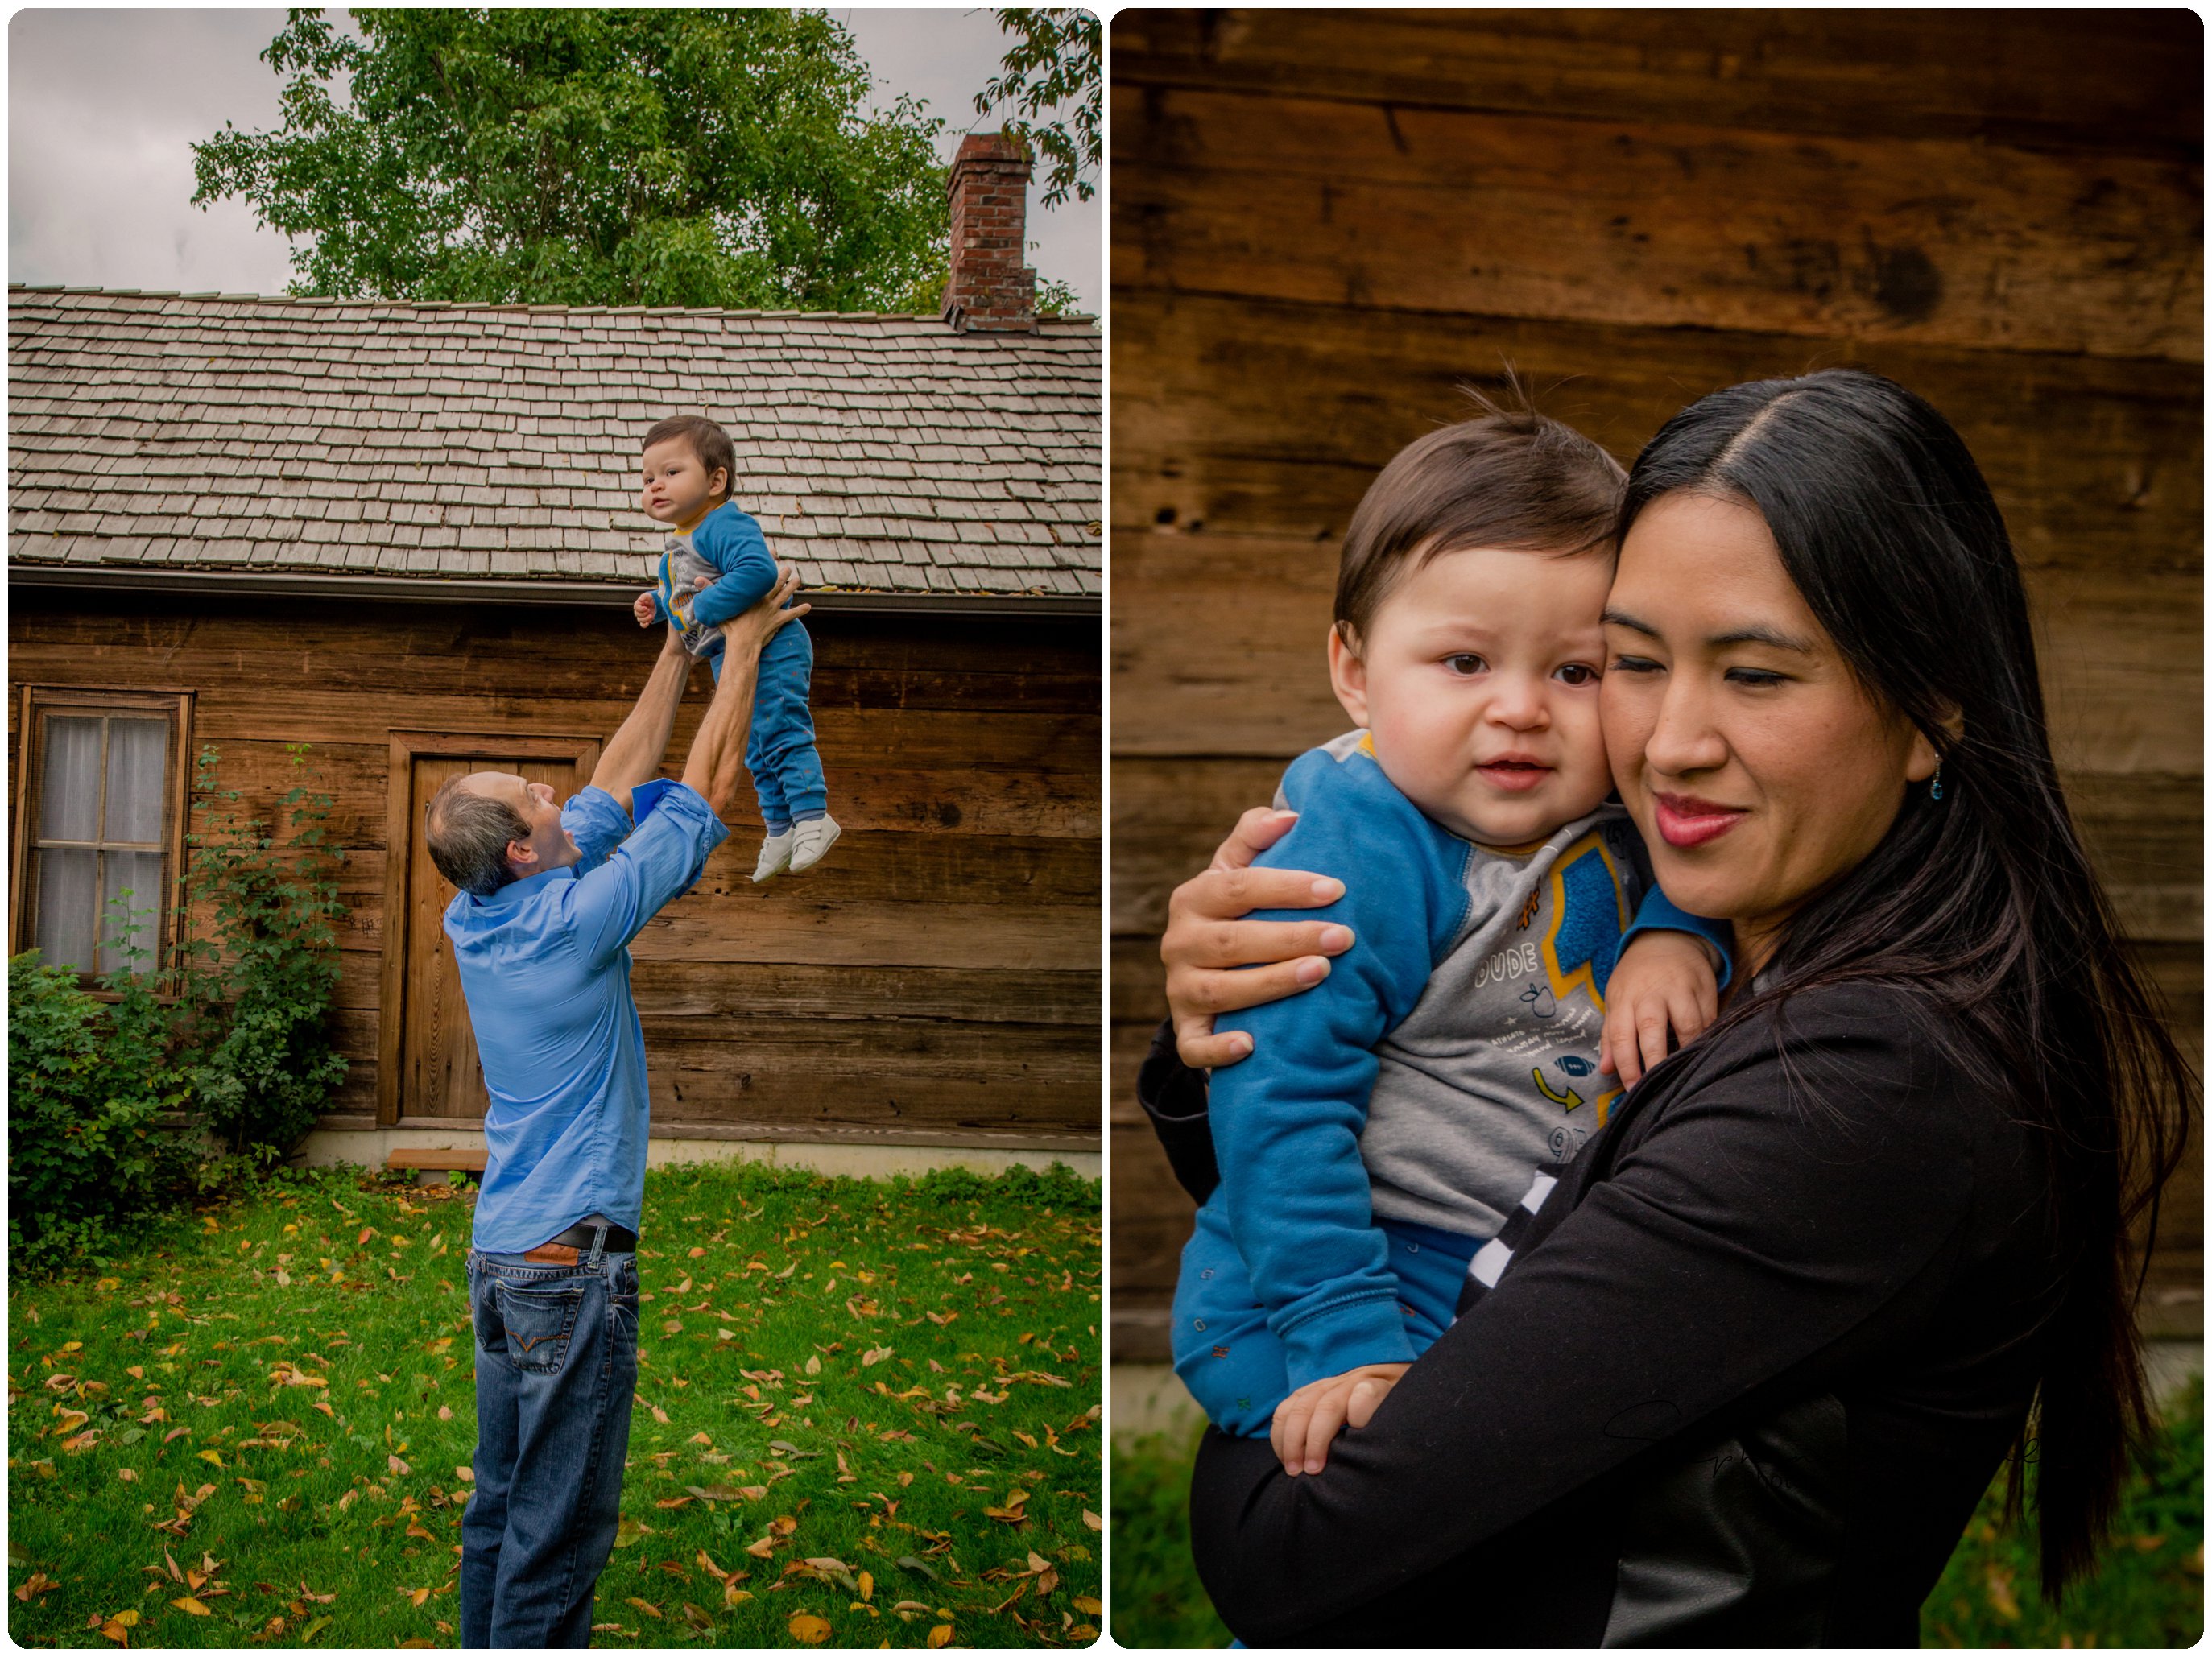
1685, 820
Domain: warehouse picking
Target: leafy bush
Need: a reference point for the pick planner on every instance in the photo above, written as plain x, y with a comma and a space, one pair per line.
242, 1046
88, 1083
261, 988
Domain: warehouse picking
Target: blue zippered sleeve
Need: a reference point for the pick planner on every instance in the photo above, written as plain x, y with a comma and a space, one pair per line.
732, 542
1286, 1121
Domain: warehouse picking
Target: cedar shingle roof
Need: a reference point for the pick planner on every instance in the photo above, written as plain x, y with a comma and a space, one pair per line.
880, 453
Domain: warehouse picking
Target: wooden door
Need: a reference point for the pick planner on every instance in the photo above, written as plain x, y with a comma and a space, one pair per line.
441, 1078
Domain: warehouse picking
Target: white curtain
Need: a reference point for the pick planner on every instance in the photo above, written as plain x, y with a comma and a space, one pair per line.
137, 761
67, 897
80, 923
68, 805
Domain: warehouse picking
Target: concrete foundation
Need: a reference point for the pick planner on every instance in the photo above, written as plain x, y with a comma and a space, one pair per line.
326, 1147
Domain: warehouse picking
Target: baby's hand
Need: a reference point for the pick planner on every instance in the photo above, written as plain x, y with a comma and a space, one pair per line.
644, 609
1308, 1419
1663, 979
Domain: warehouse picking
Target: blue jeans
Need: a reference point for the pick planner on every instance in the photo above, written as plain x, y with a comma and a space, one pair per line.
556, 1367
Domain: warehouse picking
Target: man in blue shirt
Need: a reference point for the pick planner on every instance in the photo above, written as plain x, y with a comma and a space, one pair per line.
550, 897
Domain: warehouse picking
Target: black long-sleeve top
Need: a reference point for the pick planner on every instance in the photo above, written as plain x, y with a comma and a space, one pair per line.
1831, 1210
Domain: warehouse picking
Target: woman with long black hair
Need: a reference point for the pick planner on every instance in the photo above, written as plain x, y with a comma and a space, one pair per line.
1775, 1329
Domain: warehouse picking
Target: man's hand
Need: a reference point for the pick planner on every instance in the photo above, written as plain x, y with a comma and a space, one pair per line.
750, 630
1663, 979
1208, 939
644, 609
1309, 1419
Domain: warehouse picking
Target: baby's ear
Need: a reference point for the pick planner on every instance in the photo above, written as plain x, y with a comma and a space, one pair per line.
1347, 673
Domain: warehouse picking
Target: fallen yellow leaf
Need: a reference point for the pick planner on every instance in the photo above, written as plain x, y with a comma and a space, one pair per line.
811, 1629
191, 1605
940, 1637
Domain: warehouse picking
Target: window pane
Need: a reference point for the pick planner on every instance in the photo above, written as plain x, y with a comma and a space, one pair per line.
140, 873
65, 906
69, 800
138, 761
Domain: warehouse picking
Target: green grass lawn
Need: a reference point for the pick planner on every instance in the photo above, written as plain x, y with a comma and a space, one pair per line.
867, 1412
2150, 1591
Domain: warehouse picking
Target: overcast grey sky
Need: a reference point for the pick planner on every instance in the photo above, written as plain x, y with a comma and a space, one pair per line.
102, 106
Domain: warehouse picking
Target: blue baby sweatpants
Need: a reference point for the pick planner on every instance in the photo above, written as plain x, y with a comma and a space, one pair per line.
780, 751
1233, 1363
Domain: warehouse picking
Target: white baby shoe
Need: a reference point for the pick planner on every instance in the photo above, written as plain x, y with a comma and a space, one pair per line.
775, 857
810, 842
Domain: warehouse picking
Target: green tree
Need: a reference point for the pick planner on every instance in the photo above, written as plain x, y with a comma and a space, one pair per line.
1051, 65
588, 156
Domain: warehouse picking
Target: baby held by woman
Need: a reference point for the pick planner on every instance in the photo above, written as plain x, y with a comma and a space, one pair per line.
1493, 887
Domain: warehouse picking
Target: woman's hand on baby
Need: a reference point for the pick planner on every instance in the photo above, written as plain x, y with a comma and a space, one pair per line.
1308, 1421
752, 630
1663, 981
1207, 942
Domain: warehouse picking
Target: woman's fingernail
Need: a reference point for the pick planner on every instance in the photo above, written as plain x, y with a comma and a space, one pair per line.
1328, 891
1311, 971
1242, 1046
1313, 1466
1335, 940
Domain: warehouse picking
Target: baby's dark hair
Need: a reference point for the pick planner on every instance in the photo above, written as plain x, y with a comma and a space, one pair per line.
1510, 477
707, 440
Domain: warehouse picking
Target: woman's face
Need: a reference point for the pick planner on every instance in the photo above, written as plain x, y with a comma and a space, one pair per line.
1756, 766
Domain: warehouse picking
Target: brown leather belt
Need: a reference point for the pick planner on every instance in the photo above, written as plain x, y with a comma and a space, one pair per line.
570, 1247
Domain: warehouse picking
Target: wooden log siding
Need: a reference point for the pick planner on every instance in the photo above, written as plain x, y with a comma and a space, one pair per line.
936, 982
1323, 226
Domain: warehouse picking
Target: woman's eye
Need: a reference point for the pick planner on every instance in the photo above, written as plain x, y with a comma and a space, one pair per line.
1634, 664
1757, 678
1577, 673
1465, 663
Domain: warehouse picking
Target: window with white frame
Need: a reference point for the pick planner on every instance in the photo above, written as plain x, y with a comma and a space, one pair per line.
98, 814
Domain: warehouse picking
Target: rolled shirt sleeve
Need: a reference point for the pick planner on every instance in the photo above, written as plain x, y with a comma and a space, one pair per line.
661, 858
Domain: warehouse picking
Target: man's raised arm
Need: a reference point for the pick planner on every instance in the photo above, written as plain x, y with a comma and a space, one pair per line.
717, 756
634, 753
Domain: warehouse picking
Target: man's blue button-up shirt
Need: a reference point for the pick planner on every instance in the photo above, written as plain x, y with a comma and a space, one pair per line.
545, 964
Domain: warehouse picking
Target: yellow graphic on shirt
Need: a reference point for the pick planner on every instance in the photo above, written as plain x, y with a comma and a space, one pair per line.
1589, 914
1571, 1099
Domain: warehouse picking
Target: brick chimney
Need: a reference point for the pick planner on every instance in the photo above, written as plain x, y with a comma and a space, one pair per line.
990, 287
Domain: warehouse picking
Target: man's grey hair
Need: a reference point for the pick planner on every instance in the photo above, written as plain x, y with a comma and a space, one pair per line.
468, 834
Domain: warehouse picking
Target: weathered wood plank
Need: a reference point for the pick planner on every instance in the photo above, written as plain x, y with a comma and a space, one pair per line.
695, 1081
256, 646
2126, 81
784, 926
1662, 224
1272, 419
707, 990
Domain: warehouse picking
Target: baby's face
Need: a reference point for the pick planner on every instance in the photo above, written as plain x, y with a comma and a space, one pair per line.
677, 488
1477, 683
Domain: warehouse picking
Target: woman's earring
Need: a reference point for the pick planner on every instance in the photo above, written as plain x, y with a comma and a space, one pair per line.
1936, 787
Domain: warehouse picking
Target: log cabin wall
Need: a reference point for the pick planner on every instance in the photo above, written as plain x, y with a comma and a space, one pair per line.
934, 982
1325, 223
